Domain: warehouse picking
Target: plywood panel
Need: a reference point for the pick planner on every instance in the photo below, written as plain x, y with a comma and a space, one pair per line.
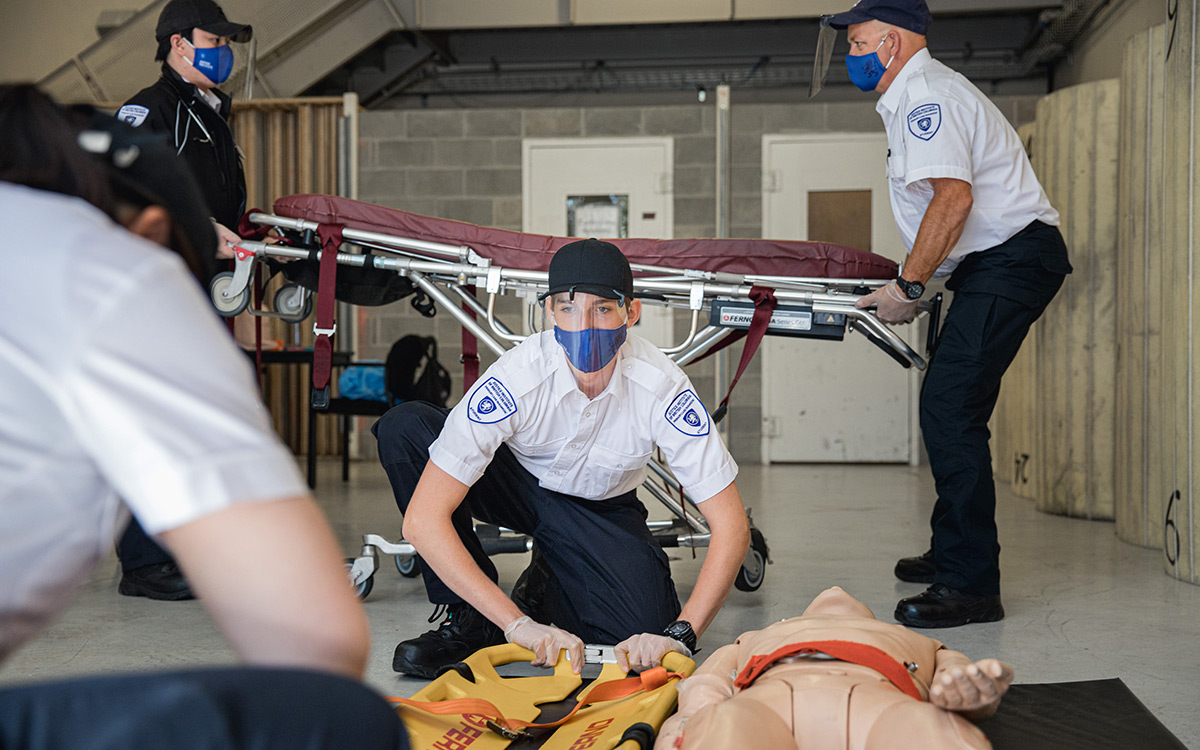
1139, 436
1076, 355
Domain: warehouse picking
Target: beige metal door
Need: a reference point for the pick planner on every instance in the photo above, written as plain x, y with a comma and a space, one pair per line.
827, 401
604, 188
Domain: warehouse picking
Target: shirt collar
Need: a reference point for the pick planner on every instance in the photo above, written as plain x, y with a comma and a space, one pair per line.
890, 101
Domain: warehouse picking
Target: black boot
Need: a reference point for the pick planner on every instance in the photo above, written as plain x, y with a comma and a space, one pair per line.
162, 581
529, 592
943, 607
462, 633
916, 569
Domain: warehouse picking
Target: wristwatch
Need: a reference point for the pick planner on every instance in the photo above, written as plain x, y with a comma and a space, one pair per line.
681, 630
913, 290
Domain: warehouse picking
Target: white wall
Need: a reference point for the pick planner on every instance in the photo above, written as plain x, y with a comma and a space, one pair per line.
1101, 51
40, 35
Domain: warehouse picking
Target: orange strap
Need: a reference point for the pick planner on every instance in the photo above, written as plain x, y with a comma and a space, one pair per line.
854, 653
651, 679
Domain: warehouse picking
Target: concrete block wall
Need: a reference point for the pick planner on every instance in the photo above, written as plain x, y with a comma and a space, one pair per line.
465, 164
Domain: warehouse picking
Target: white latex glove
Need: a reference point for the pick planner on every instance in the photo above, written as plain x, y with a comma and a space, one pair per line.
891, 306
646, 651
974, 689
225, 238
545, 641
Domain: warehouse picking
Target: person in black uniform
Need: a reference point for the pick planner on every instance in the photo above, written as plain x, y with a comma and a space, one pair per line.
184, 103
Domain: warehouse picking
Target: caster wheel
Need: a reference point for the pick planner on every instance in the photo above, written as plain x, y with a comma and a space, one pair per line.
293, 302
227, 307
754, 569
408, 565
363, 589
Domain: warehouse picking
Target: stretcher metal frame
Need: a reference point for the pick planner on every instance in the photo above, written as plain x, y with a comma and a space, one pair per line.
447, 272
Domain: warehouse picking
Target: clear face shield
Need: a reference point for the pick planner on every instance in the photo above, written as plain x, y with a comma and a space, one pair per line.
590, 328
826, 38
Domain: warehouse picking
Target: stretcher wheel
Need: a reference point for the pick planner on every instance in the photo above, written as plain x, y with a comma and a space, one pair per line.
227, 307
408, 565
754, 569
293, 302
363, 589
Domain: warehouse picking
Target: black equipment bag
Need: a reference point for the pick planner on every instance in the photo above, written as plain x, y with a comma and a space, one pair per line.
413, 373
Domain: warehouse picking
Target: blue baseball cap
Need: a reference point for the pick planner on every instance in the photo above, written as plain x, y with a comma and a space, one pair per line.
913, 15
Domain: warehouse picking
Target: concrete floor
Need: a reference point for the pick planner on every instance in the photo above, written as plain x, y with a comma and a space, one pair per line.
1081, 604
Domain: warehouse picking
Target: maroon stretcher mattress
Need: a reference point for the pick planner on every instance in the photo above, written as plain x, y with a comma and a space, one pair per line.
532, 252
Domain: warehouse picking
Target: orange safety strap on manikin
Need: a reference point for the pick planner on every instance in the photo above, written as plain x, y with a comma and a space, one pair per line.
853, 653
651, 679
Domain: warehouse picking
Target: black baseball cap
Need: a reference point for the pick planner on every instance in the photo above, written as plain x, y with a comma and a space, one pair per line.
592, 266
913, 15
180, 15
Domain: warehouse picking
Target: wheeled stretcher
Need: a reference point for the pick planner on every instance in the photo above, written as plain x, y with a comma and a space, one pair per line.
730, 287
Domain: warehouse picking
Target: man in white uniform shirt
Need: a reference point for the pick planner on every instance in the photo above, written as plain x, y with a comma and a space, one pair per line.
969, 207
553, 442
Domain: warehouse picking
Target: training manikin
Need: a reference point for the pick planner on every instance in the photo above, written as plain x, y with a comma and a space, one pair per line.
809, 700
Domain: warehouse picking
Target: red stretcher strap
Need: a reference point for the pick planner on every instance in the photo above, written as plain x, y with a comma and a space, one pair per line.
651, 679
764, 306
331, 240
853, 653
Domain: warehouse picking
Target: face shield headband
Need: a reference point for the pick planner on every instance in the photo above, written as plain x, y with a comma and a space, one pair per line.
589, 328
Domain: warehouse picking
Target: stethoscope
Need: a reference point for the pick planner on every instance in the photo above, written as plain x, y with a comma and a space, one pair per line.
193, 117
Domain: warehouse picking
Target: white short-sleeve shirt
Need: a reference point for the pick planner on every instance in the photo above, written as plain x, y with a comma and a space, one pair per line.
593, 449
940, 126
116, 380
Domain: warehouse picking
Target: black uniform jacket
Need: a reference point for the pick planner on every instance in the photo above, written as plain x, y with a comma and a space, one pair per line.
200, 135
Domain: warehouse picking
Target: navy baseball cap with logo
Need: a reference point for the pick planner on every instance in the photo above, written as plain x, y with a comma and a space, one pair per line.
592, 266
913, 15
180, 15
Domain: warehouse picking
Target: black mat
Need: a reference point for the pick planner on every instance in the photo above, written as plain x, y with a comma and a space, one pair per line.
1096, 715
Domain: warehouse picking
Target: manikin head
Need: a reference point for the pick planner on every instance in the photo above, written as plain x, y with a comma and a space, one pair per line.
835, 602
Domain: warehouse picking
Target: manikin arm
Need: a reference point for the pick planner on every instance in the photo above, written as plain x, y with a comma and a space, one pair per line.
970, 689
710, 684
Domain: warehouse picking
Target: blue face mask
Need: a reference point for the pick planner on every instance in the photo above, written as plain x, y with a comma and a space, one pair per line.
216, 63
591, 349
866, 71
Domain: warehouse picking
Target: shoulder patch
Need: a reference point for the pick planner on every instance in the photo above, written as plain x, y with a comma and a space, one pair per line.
688, 415
491, 403
134, 114
925, 120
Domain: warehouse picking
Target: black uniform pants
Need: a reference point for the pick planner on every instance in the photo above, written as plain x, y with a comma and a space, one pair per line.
230, 708
999, 293
608, 578
137, 549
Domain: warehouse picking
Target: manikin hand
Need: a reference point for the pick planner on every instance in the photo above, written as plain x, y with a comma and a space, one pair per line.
545, 641
646, 651
975, 689
225, 238
891, 306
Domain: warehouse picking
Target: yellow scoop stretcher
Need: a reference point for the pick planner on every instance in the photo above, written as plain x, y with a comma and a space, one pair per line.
472, 706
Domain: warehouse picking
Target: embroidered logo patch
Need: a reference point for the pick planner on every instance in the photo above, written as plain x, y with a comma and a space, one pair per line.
133, 114
688, 415
925, 120
491, 403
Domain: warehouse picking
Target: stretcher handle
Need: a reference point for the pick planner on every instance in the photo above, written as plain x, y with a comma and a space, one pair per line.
879, 329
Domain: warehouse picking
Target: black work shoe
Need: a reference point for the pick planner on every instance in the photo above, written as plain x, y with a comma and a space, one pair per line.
529, 592
162, 581
916, 569
943, 607
462, 633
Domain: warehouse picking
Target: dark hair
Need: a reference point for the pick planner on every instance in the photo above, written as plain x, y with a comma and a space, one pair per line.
39, 148
164, 44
